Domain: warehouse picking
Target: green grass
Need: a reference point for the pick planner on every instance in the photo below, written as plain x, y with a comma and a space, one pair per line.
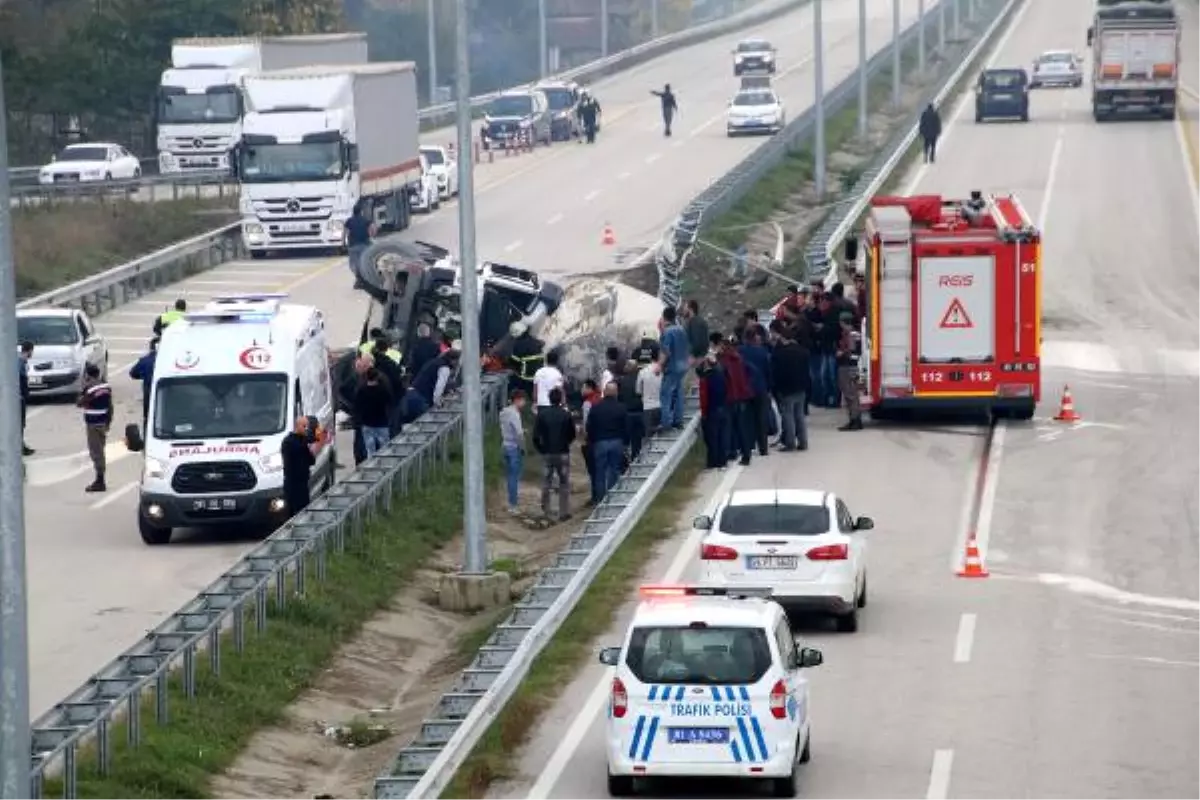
570, 648
206, 734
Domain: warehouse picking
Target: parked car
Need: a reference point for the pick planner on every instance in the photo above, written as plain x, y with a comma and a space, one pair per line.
1002, 93
64, 342
89, 163
424, 196
444, 168
1057, 68
563, 99
515, 114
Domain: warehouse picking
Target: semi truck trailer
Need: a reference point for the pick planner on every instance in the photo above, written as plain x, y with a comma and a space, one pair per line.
316, 142
199, 109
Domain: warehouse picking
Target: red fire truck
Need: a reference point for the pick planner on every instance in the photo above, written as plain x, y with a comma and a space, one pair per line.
954, 305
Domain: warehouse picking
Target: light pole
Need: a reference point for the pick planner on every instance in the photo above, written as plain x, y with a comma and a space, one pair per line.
896, 53
653, 19
430, 14
604, 28
920, 37
818, 101
14, 630
862, 69
542, 54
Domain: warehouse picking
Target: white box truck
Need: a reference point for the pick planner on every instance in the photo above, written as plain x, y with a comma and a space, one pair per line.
316, 141
1135, 58
199, 109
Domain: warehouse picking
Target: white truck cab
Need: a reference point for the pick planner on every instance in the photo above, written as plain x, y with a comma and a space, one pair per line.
709, 682
229, 383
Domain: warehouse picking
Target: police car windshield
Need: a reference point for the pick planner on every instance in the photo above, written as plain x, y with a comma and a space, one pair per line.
1003, 80
685, 655
220, 406
786, 519
54, 331
559, 99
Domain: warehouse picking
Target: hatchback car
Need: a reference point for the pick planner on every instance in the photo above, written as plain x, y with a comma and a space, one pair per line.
802, 543
755, 111
89, 163
517, 116
1002, 94
562, 97
65, 342
753, 55
1057, 68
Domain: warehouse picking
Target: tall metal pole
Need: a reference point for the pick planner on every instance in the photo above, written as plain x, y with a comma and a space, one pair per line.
896, 52
603, 28
542, 52
920, 37
653, 19
474, 520
957, 20
971, 10
862, 69
433, 80
818, 101
941, 28
14, 630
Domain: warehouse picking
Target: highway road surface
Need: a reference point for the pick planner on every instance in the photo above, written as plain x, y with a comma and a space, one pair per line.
1072, 670
95, 588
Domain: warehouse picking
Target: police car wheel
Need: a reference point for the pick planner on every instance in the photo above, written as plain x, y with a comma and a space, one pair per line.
806, 753
785, 787
620, 785
847, 623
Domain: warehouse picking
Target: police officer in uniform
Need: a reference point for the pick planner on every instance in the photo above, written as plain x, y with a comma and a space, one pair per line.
528, 356
589, 114
169, 316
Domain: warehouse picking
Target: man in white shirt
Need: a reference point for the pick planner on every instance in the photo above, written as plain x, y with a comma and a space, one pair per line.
547, 379
649, 386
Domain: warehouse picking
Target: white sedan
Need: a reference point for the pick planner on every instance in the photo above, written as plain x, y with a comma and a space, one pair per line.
802, 543
424, 196
443, 167
756, 110
1057, 68
86, 163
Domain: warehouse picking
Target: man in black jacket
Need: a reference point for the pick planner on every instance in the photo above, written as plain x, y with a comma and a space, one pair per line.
930, 128
790, 369
553, 432
607, 433
422, 350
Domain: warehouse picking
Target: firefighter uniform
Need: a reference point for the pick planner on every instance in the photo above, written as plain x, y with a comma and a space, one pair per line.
526, 359
368, 349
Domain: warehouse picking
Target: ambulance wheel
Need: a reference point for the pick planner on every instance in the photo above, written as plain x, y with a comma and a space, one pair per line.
806, 753
151, 535
620, 785
785, 787
847, 623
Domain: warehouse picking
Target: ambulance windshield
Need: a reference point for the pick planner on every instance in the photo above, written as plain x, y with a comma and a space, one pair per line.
220, 406
698, 655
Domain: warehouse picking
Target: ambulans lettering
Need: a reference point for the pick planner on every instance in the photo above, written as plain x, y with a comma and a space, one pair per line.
956, 281
722, 709
215, 450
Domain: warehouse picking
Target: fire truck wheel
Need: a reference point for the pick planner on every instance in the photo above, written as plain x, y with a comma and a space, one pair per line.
1023, 413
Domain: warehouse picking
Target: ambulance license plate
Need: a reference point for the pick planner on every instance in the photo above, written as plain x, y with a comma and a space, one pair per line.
771, 562
214, 504
698, 735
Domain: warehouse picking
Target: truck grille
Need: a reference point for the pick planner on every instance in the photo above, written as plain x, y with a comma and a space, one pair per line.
214, 477
272, 208
197, 144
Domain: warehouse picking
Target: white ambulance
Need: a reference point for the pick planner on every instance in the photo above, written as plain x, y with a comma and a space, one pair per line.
709, 683
229, 383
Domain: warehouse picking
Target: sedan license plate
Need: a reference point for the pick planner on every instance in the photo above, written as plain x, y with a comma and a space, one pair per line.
698, 735
215, 504
771, 562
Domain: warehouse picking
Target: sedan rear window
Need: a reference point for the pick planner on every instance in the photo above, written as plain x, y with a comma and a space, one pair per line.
698, 655
790, 519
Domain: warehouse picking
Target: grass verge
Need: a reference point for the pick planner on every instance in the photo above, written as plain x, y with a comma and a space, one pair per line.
56, 244
554, 668
255, 687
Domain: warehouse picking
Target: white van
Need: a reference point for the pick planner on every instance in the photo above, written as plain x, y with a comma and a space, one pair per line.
229, 383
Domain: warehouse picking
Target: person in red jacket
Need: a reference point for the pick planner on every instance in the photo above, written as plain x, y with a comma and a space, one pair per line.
714, 413
739, 394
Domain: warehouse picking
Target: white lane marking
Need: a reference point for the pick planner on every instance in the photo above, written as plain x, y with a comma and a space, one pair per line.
1086, 586
678, 143
508, 248
1147, 660
968, 97
557, 218
561, 757
114, 496
592, 195
624, 176
1190, 630
965, 639
650, 159
987, 497
247, 282
939, 775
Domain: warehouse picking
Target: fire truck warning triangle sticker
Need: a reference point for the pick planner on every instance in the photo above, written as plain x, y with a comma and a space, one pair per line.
956, 316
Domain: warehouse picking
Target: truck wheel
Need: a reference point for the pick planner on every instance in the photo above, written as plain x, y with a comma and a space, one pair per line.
151, 535
1023, 412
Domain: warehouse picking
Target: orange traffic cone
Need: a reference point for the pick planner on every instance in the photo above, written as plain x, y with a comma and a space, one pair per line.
973, 565
1066, 409
609, 238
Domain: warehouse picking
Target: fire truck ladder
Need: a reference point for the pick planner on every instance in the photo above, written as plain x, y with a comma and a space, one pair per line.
1012, 221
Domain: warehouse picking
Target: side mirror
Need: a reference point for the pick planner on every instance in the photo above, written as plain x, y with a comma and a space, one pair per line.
94, 339
808, 657
702, 523
610, 656
864, 524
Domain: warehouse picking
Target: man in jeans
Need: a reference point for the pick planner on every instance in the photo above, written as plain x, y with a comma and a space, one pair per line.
607, 433
675, 357
359, 231
789, 368
372, 409
512, 441
553, 433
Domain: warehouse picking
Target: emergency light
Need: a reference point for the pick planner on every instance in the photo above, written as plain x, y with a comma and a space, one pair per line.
261, 307
732, 592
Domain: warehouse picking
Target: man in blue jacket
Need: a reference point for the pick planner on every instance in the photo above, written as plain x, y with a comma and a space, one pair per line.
143, 370
758, 364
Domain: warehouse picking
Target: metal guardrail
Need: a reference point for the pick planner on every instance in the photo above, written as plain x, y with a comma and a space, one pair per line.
727, 190
819, 254
209, 183
134, 279
262, 580
426, 766
444, 113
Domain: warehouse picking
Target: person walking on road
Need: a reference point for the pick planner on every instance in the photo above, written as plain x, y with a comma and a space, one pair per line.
97, 405
553, 433
669, 106
143, 370
930, 129
359, 232
24, 354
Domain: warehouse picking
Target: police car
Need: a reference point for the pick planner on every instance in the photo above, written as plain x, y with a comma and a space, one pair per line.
709, 683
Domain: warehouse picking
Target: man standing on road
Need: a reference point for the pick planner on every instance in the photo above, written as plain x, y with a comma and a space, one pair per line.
23, 356
758, 364
96, 402
789, 367
143, 370
512, 441
847, 372
373, 410
739, 394
589, 111
675, 357
930, 128
298, 451
359, 232
669, 107
553, 432
649, 388
164, 320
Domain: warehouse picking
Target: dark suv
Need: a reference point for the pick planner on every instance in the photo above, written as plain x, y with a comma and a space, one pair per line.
514, 115
1002, 93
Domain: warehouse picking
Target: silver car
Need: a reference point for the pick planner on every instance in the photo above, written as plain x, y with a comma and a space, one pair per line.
1056, 68
64, 342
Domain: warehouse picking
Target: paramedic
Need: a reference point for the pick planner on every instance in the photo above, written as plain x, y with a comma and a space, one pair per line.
167, 317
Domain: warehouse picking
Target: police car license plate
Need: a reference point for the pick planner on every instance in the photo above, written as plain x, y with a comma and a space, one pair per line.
771, 562
698, 735
215, 504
